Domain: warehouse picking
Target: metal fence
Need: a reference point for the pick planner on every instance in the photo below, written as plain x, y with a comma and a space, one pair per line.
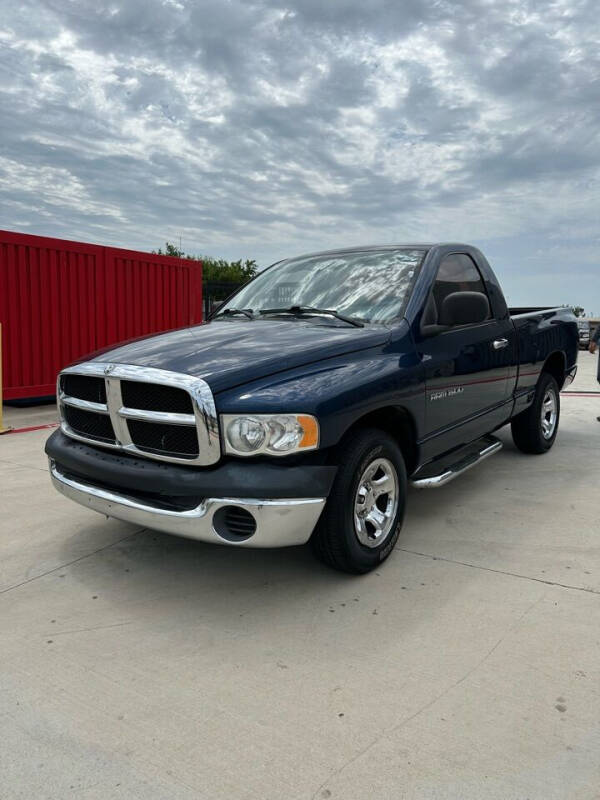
216, 292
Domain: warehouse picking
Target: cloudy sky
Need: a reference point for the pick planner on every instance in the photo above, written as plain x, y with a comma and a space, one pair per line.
265, 128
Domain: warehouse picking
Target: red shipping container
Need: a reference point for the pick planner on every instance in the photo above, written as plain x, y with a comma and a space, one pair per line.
60, 300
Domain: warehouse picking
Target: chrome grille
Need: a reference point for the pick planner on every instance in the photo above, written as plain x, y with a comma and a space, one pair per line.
151, 412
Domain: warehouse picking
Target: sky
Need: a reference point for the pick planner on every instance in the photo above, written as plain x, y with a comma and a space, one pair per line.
267, 129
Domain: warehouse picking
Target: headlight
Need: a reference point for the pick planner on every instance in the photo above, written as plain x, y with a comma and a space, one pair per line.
270, 434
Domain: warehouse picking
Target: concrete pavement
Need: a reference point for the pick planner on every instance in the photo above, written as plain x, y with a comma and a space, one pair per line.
138, 665
28, 417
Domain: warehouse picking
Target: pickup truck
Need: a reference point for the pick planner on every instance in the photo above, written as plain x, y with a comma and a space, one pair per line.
312, 398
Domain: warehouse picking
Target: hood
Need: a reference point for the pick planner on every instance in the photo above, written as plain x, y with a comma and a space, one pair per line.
228, 353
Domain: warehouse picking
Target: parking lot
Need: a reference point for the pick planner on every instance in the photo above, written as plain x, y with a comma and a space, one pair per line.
140, 665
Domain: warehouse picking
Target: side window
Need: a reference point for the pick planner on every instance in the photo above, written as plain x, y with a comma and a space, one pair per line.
457, 273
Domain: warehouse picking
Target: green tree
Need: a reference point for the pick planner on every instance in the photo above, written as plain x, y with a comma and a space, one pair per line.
215, 269
578, 311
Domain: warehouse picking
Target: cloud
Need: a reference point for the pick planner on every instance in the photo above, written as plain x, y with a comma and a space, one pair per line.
269, 129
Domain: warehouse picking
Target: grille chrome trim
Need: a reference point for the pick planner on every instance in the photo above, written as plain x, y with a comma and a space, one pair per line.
84, 405
204, 419
168, 417
68, 431
114, 401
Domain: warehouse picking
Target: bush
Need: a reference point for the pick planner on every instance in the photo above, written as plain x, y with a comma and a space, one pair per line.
215, 269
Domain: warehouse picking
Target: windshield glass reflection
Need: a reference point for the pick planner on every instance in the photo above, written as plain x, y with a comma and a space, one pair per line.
372, 285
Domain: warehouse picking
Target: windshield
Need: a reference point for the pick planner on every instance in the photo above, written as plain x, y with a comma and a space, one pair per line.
371, 285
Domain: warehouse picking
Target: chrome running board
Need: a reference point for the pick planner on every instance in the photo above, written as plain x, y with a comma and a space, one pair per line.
431, 477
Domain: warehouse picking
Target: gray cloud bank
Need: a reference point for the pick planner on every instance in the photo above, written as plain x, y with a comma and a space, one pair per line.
268, 129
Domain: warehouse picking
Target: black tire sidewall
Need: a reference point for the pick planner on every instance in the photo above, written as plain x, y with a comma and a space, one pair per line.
355, 458
546, 382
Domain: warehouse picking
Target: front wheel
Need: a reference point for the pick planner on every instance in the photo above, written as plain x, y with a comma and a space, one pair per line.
534, 430
365, 509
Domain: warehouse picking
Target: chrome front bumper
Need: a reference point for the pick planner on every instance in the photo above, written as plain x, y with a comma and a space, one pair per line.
279, 523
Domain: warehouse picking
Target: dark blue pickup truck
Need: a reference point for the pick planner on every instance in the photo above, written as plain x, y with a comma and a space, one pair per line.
311, 399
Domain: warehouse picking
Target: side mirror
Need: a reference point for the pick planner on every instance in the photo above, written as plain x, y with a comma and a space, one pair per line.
464, 308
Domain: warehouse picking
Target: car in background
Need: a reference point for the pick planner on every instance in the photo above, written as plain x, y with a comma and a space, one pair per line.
583, 327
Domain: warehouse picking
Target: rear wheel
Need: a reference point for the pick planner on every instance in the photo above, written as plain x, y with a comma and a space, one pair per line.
365, 509
535, 429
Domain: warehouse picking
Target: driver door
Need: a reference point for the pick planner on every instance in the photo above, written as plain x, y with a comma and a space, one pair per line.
466, 366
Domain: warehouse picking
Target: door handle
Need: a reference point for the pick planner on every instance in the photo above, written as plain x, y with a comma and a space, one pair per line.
499, 344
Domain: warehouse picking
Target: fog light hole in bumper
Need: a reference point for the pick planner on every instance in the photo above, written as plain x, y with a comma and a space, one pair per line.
233, 523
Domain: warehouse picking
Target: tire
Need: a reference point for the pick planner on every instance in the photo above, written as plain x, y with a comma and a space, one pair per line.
533, 430
346, 538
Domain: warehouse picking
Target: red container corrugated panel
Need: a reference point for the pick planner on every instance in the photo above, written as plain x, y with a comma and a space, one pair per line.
60, 300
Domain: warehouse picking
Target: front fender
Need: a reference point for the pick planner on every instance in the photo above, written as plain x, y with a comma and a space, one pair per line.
337, 391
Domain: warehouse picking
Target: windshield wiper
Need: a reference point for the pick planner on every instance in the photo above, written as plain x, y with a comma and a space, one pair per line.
299, 310
230, 312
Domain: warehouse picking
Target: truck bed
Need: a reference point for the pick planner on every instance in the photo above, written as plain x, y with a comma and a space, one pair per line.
520, 311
